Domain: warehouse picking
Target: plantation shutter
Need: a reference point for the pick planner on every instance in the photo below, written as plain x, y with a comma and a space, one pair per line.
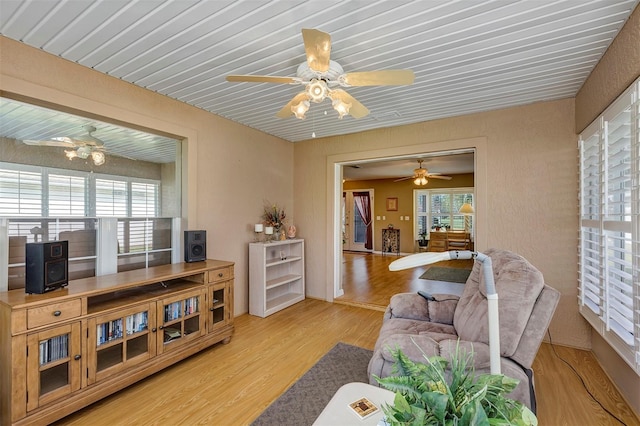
66, 195
592, 293
144, 198
20, 193
617, 224
111, 197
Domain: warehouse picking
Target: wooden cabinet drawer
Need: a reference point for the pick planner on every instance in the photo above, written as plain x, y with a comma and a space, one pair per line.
51, 314
222, 274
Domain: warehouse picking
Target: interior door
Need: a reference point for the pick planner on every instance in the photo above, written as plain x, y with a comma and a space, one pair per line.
354, 229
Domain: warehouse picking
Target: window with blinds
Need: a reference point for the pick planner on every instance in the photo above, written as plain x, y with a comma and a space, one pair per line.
610, 225
46, 204
66, 196
20, 192
439, 208
112, 197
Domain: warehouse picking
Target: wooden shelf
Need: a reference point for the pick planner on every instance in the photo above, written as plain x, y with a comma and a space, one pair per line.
283, 301
285, 279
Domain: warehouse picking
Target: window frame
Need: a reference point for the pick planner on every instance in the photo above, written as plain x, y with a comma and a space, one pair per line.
609, 226
428, 214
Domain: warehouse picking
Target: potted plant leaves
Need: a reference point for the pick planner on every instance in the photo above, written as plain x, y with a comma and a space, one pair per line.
429, 394
423, 242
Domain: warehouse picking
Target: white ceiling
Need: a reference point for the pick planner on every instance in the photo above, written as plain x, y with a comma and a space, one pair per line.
467, 56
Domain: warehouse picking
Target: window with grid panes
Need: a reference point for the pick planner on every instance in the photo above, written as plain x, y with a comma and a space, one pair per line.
41, 201
610, 225
439, 208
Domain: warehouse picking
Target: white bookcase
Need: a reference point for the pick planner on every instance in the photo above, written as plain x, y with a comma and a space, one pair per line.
276, 276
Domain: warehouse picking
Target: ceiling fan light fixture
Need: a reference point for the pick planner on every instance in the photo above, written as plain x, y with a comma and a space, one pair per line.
83, 152
341, 107
420, 180
98, 158
317, 90
300, 109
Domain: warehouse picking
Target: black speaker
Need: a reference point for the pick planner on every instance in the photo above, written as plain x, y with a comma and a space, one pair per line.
47, 266
195, 246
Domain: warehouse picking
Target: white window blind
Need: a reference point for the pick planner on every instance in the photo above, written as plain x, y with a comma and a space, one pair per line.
20, 193
66, 195
610, 225
111, 198
144, 199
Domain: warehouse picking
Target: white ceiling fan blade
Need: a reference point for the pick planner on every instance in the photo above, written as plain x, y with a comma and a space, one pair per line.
51, 142
286, 110
357, 110
379, 78
404, 178
317, 46
261, 79
439, 177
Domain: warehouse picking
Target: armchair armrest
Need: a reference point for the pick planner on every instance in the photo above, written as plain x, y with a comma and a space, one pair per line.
416, 307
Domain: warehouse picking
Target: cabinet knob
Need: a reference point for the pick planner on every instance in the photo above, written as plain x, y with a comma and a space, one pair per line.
161, 327
154, 329
77, 357
211, 309
220, 274
57, 313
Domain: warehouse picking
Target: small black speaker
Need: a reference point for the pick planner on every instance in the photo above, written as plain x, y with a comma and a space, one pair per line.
47, 266
195, 246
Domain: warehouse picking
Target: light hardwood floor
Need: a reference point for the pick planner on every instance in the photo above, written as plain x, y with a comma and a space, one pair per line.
232, 384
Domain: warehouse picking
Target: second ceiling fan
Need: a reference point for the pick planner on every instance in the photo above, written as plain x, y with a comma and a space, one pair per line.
321, 77
421, 175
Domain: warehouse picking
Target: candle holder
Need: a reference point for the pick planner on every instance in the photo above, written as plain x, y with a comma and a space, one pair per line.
257, 231
268, 231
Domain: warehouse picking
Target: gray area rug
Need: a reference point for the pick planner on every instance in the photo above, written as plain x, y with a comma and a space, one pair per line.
303, 402
451, 275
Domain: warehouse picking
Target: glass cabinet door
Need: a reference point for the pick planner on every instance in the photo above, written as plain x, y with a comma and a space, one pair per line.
120, 340
180, 319
53, 364
220, 296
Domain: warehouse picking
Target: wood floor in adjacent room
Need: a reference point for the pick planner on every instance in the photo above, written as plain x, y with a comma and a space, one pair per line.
232, 384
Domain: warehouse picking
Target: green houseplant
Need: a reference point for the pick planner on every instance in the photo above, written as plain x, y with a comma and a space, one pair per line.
428, 394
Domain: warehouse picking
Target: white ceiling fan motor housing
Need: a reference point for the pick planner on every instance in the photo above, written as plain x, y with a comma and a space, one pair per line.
306, 74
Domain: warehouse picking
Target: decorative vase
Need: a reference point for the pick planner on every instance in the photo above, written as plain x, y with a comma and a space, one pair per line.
291, 233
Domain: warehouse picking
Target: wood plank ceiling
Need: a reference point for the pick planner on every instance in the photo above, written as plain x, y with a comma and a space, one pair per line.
467, 56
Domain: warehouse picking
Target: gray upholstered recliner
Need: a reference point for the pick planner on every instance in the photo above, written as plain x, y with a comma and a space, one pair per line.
526, 306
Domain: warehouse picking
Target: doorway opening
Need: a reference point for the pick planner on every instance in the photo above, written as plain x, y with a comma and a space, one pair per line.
357, 220
335, 166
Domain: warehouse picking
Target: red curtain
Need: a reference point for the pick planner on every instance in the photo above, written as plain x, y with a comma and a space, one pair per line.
363, 204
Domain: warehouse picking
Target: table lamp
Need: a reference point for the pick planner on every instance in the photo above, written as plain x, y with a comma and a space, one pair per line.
421, 259
467, 210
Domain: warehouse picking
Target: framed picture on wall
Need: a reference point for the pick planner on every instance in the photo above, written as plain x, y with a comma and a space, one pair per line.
392, 204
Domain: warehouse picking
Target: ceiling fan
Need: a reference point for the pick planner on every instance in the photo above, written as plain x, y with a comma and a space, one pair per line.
421, 175
321, 77
85, 147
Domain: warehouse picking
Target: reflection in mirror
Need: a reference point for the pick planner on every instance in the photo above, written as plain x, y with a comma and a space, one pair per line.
61, 174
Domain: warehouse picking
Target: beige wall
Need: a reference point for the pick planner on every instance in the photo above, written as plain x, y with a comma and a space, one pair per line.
618, 68
528, 185
231, 168
403, 191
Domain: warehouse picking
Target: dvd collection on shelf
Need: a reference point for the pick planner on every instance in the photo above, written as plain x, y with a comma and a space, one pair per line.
173, 311
54, 349
109, 331
137, 322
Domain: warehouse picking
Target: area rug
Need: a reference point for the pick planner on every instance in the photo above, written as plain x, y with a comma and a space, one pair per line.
303, 402
450, 275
